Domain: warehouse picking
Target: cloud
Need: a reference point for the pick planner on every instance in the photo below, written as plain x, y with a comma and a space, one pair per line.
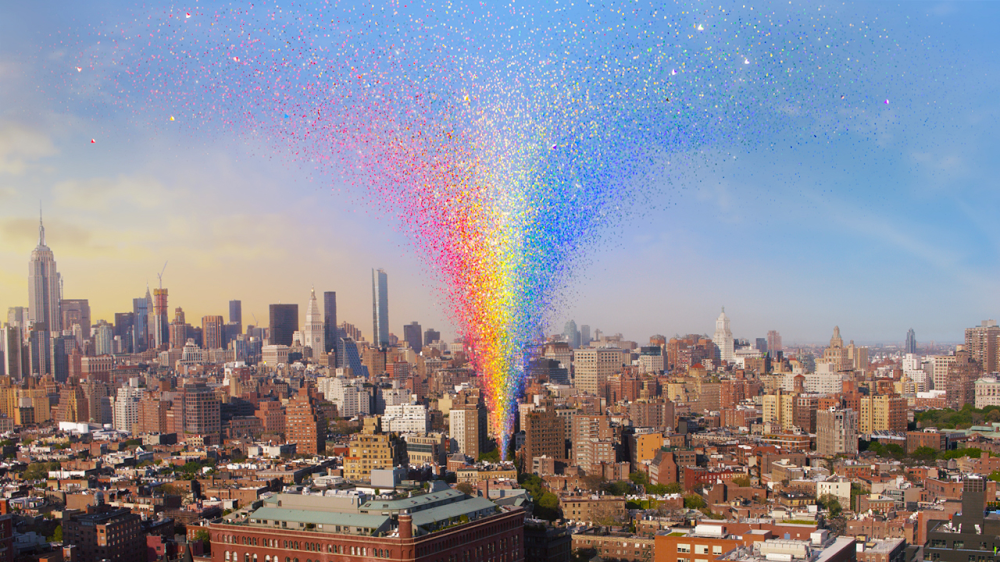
23, 233
97, 194
940, 162
19, 145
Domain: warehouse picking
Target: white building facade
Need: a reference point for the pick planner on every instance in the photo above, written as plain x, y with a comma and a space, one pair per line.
723, 338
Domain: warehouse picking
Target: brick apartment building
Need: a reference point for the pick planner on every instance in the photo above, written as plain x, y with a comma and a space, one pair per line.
445, 525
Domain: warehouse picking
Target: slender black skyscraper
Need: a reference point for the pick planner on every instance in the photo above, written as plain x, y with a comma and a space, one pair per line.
380, 308
330, 321
236, 313
284, 323
140, 331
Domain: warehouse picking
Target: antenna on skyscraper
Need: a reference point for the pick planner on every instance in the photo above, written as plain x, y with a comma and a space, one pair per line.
160, 274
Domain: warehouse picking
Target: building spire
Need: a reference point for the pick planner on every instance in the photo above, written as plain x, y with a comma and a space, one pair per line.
41, 227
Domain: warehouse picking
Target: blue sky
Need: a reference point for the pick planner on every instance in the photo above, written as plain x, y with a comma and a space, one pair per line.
879, 231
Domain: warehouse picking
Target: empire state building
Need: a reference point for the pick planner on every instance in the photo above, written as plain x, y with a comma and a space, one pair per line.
43, 286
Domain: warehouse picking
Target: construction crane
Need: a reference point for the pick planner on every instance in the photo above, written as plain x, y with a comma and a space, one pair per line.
160, 274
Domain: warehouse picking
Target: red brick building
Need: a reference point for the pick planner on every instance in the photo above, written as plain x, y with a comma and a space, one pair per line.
695, 476
445, 526
108, 534
272, 417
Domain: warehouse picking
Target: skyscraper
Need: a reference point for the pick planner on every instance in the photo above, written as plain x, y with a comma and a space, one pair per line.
380, 308
431, 335
140, 331
836, 432
236, 313
211, 332
572, 334
284, 323
723, 338
178, 330
305, 426
413, 336
201, 412
468, 429
76, 311
331, 335
39, 350
774, 341
43, 285
981, 343
314, 329
124, 327
159, 323
585, 335
911, 342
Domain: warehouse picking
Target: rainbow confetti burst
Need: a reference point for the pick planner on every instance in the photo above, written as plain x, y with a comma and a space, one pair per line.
506, 140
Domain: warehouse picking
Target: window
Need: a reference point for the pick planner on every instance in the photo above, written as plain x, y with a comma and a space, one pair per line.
958, 544
683, 548
227, 556
716, 549
701, 549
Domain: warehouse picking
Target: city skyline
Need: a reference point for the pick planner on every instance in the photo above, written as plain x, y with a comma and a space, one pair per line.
903, 218
379, 288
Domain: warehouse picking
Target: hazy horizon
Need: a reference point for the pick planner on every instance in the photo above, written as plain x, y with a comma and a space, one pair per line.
880, 232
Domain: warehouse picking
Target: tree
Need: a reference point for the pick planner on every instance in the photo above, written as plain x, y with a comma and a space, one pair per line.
547, 506
40, 470
466, 488
491, 456
56, 535
203, 536
608, 514
694, 501
617, 488
831, 503
924, 453
639, 478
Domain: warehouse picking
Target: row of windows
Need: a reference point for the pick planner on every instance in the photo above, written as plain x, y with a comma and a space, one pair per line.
335, 549
699, 548
294, 545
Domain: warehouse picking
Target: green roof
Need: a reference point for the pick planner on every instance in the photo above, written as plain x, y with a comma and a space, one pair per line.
413, 503
448, 511
319, 517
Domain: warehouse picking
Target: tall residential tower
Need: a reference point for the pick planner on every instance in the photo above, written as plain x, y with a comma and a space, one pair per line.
380, 308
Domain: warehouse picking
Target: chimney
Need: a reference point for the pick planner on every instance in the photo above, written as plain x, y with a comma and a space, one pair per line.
405, 525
